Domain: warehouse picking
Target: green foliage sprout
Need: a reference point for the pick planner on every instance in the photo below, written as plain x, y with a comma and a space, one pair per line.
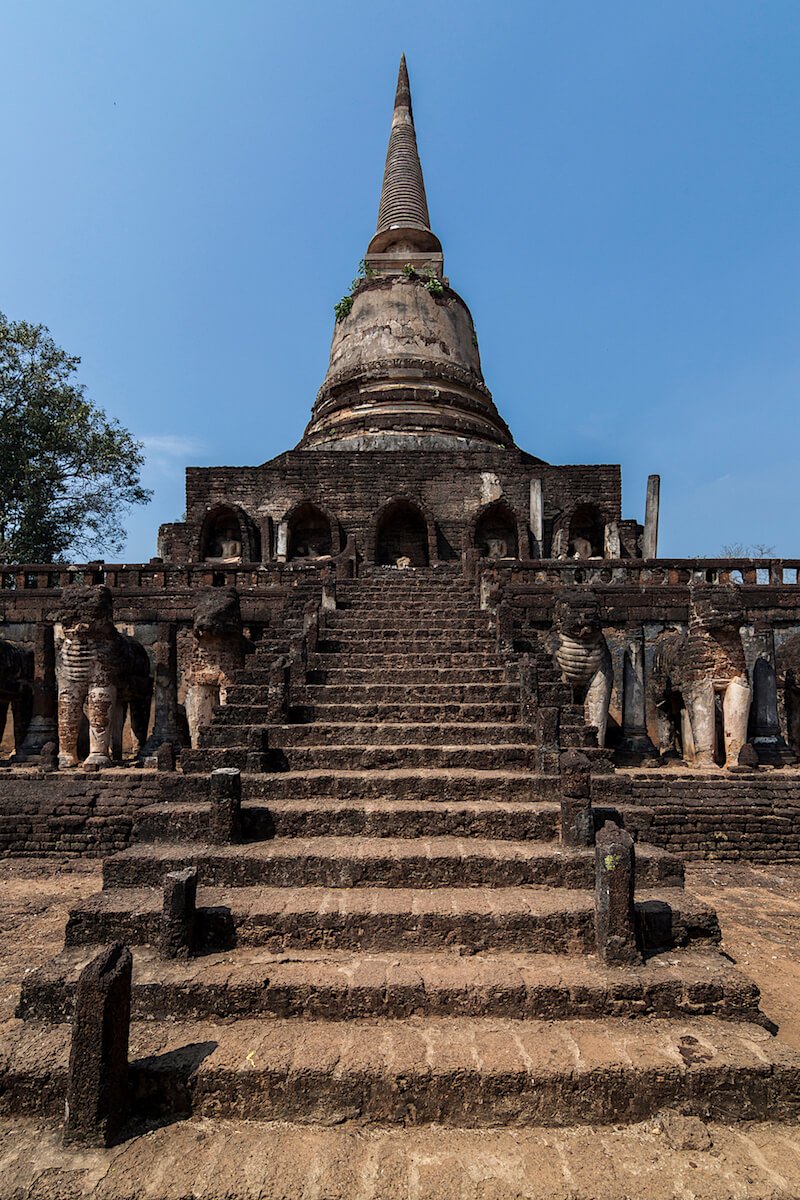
342, 307
432, 283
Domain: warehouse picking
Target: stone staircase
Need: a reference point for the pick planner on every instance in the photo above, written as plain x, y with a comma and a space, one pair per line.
400, 936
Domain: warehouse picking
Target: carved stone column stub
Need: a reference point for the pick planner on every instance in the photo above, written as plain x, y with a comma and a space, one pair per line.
224, 819
577, 818
97, 1083
615, 915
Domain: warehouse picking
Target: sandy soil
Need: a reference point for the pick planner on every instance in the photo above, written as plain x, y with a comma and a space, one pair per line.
222, 1160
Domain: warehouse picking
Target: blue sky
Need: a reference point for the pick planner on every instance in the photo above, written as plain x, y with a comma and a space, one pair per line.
189, 187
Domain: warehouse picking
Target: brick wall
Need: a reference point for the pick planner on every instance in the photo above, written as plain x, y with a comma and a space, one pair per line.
754, 817
354, 485
73, 814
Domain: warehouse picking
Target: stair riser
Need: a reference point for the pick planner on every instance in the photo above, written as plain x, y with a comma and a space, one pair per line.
558, 932
472, 659
473, 693
284, 737
454, 693
424, 642
367, 758
259, 823
195, 1002
467, 1096
416, 712
408, 871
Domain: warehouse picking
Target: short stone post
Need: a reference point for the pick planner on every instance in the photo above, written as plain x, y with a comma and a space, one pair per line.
177, 937
257, 750
278, 690
577, 818
97, 1084
615, 915
505, 627
165, 757
225, 817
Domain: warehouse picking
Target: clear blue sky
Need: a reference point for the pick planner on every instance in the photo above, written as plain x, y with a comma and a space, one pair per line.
189, 186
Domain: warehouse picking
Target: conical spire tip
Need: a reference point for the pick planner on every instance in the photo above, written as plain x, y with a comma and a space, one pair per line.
402, 98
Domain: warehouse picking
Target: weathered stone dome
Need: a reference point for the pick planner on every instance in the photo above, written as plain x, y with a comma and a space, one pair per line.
405, 372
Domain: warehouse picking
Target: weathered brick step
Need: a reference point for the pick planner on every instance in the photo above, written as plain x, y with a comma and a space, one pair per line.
393, 626
454, 784
333, 643
360, 818
471, 659
421, 676
473, 1072
533, 920
416, 712
396, 733
418, 676
336, 985
461, 693
324, 816
368, 758
393, 693
351, 862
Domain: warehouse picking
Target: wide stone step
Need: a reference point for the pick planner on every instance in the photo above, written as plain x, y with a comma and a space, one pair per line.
323, 816
365, 693
418, 676
471, 659
396, 733
421, 784
336, 985
368, 758
475, 1072
416, 712
430, 642
393, 626
461, 920
384, 862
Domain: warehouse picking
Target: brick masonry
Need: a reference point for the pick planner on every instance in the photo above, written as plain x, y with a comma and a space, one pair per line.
71, 814
755, 817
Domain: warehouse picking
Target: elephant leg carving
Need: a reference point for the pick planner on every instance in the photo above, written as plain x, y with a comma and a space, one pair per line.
100, 709
736, 710
201, 699
699, 699
598, 698
70, 718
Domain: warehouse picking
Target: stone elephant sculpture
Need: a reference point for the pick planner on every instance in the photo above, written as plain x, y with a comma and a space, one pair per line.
692, 668
581, 652
101, 673
218, 652
16, 689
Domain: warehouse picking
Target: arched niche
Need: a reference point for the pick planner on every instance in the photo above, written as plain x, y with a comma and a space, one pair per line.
227, 535
311, 532
586, 532
496, 531
403, 528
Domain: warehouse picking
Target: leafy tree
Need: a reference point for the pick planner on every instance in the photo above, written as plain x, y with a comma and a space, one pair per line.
67, 471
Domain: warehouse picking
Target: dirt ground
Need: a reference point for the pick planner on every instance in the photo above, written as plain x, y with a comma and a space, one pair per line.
759, 909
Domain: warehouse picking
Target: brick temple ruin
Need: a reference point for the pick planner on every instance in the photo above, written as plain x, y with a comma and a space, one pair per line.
395, 751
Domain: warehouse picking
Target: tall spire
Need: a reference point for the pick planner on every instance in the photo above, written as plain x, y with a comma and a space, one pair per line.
403, 203
403, 231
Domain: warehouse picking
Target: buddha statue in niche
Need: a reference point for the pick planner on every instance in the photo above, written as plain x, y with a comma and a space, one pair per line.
227, 546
